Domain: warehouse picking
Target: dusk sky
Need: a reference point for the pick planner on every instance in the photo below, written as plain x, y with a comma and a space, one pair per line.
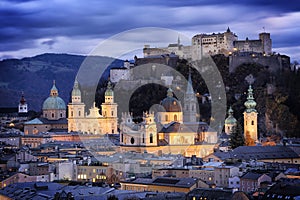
28, 28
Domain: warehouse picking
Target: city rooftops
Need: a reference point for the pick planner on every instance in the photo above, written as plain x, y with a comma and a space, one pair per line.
258, 153
166, 181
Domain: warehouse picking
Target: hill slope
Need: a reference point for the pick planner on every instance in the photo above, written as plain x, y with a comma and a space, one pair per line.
34, 77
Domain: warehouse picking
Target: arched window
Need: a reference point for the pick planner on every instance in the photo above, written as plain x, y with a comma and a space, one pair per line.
79, 113
112, 113
132, 140
71, 113
175, 117
52, 115
252, 122
122, 137
143, 138
151, 138
60, 114
166, 118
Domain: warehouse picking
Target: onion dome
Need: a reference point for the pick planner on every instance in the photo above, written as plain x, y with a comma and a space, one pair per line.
109, 91
230, 119
170, 103
250, 103
54, 102
76, 91
23, 100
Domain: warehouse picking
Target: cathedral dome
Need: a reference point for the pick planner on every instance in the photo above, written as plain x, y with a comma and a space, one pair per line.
54, 101
170, 103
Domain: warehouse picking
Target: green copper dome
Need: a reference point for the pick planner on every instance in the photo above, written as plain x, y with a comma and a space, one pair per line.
250, 104
109, 91
230, 119
76, 91
54, 101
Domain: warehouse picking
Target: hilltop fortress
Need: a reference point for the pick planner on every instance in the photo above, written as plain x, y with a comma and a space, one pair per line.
226, 43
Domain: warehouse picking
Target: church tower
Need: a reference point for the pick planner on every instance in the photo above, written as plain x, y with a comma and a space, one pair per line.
230, 122
250, 119
190, 103
23, 107
75, 109
149, 138
109, 111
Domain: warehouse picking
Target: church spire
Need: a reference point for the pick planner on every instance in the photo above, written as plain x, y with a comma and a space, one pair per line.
189, 89
228, 30
250, 103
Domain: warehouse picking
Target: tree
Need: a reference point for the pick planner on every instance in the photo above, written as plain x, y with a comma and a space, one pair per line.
237, 137
249, 141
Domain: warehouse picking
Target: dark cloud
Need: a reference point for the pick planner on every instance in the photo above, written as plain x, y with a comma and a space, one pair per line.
28, 24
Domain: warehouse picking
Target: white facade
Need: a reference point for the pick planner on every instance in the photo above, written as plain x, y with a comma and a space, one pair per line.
234, 182
93, 122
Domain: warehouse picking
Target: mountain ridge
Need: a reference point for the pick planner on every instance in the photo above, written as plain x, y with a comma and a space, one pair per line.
34, 76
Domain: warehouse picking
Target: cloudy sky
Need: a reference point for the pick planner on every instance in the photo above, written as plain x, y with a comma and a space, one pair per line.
31, 27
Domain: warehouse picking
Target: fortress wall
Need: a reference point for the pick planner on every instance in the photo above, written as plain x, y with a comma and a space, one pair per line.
273, 63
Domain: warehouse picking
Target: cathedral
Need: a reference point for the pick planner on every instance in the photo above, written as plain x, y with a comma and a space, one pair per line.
53, 115
172, 129
92, 122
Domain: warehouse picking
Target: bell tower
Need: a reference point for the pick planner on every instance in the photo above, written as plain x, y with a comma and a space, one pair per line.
23, 107
109, 111
190, 103
250, 119
75, 109
150, 137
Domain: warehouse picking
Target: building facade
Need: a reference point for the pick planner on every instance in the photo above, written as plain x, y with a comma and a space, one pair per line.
92, 122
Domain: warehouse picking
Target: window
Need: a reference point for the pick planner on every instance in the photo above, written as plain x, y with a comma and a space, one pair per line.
166, 118
112, 113
132, 140
52, 115
252, 122
151, 138
192, 107
79, 113
175, 117
61, 114
71, 113
143, 138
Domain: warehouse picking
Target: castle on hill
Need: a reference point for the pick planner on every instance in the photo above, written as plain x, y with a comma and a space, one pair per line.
216, 43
